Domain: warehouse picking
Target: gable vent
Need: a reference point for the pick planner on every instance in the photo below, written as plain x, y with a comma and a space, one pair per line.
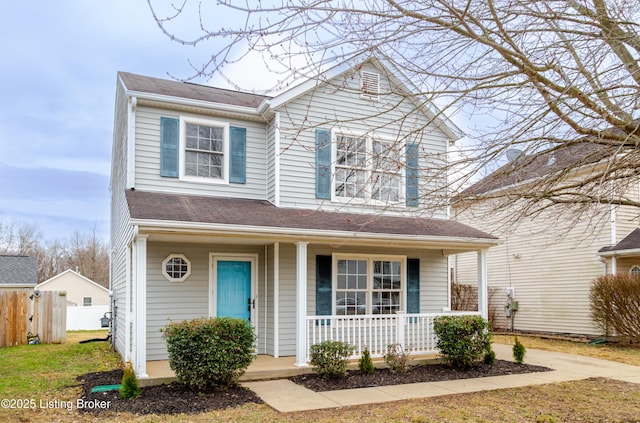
370, 84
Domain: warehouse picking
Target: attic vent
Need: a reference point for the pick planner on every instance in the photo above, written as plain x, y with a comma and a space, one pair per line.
370, 84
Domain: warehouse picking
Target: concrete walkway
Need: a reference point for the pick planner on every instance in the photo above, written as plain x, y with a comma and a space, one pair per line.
286, 396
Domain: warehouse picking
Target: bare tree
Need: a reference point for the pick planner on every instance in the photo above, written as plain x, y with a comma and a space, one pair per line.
85, 253
88, 255
536, 77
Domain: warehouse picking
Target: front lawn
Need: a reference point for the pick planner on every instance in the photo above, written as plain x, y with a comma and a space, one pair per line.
48, 373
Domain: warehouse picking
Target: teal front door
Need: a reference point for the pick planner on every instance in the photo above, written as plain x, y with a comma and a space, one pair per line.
234, 289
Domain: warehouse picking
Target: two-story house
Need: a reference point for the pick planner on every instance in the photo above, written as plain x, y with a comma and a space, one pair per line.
548, 259
303, 212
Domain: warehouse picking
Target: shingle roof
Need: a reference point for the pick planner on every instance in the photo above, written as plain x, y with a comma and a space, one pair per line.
529, 167
147, 84
18, 270
259, 213
629, 242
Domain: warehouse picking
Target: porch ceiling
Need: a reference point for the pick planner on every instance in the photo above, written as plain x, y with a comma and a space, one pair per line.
203, 218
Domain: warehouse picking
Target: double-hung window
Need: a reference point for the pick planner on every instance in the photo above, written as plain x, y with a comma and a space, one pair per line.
205, 150
368, 169
368, 284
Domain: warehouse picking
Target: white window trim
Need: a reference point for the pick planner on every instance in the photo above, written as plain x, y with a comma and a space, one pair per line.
370, 259
367, 200
164, 268
225, 150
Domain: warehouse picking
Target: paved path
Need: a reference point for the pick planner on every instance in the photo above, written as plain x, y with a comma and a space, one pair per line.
286, 396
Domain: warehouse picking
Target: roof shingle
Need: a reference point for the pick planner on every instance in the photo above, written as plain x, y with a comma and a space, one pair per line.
259, 213
18, 270
147, 84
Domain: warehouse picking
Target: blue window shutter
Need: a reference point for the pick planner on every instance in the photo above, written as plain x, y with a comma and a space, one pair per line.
413, 285
413, 195
238, 159
169, 141
323, 164
324, 288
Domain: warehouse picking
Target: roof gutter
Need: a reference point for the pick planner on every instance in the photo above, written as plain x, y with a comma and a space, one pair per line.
297, 234
180, 101
620, 253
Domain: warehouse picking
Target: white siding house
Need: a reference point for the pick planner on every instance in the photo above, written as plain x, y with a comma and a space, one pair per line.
302, 213
548, 260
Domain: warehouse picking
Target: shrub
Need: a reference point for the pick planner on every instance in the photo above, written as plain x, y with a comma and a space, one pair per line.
210, 353
329, 358
615, 301
462, 340
396, 358
518, 351
490, 357
129, 388
365, 364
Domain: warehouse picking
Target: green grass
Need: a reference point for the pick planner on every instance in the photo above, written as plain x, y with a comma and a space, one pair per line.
32, 370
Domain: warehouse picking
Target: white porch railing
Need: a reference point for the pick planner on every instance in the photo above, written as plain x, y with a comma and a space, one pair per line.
375, 331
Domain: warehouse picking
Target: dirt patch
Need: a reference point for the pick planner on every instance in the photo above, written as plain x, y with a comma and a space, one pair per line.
415, 374
173, 398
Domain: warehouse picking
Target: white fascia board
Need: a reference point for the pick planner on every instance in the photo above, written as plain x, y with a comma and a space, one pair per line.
296, 234
181, 101
309, 84
620, 253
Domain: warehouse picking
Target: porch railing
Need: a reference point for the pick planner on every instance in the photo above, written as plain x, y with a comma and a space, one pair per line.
375, 331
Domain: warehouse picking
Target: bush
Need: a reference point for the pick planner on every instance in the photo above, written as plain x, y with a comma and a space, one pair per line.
615, 301
490, 357
210, 353
396, 358
329, 358
518, 351
365, 364
129, 388
462, 340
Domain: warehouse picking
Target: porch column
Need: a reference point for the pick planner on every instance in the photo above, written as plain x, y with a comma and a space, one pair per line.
483, 295
301, 303
140, 307
614, 265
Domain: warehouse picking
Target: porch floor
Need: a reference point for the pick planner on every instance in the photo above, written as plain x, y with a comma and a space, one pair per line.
264, 367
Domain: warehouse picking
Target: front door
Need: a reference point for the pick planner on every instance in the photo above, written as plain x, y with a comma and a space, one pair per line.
234, 289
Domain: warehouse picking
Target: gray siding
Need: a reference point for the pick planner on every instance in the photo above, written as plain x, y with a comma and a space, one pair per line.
121, 231
167, 301
339, 105
148, 158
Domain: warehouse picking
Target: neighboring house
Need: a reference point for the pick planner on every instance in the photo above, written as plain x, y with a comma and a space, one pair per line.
301, 212
548, 260
623, 256
18, 272
81, 291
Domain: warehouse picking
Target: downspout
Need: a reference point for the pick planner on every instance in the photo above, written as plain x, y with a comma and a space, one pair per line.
276, 159
131, 141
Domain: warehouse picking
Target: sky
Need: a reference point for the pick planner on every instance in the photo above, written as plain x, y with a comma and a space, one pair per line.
58, 78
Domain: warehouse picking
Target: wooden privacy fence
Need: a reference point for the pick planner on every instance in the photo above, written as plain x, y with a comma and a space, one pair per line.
22, 312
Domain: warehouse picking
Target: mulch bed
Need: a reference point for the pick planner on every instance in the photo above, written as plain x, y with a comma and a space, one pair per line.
176, 398
173, 398
415, 374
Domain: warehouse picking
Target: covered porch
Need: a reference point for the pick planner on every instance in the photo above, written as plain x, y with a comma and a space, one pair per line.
294, 258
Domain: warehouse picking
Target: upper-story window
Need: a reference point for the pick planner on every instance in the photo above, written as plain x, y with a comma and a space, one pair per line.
202, 150
368, 168
205, 150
